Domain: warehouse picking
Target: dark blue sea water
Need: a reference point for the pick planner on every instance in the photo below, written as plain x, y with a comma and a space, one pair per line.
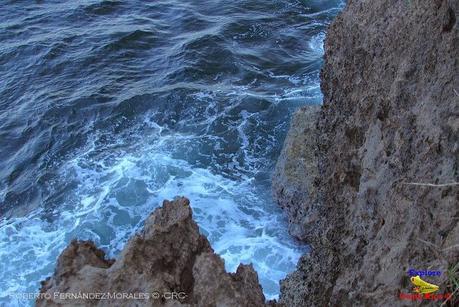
109, 107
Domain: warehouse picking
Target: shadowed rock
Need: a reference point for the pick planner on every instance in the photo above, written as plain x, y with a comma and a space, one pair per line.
296, 170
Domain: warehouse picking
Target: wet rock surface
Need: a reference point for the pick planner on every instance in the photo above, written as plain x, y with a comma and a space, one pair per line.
169, 256
387, 197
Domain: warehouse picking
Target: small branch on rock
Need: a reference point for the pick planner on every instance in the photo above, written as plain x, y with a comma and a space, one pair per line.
451, 247
452, 294
429, 243
431, 184
435, 249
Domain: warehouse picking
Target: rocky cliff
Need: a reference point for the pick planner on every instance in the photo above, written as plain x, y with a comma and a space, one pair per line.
383, 193
168, 264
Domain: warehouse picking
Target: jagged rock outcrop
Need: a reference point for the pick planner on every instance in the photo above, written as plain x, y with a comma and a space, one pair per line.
169, 256
388, 157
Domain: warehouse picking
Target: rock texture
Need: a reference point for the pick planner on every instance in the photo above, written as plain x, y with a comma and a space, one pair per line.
297, 166
387, 197
168, 256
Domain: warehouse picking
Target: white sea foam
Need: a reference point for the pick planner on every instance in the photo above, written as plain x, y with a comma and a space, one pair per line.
121, 187
316, 44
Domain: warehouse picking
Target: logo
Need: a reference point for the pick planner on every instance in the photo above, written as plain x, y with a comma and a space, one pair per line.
421, 286
423, 290
413, 272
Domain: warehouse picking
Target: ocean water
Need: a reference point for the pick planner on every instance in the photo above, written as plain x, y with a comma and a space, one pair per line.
109, 107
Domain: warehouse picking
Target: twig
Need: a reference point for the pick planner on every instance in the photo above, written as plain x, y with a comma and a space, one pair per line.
450, 297
428, 243
451, 247
431, 184
435, 249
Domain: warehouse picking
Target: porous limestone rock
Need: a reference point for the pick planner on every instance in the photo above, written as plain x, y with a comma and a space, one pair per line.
388, 157
168, 256
296, 170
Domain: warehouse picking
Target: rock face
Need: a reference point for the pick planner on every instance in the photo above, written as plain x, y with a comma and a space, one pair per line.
297, 166
387, 193
168, 264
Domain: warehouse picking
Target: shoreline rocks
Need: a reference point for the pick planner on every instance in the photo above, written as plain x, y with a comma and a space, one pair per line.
169, 263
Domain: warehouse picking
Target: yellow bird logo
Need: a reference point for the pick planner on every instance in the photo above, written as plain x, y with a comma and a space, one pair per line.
422, 286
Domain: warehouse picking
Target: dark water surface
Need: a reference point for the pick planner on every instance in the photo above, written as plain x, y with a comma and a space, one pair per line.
109, 107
